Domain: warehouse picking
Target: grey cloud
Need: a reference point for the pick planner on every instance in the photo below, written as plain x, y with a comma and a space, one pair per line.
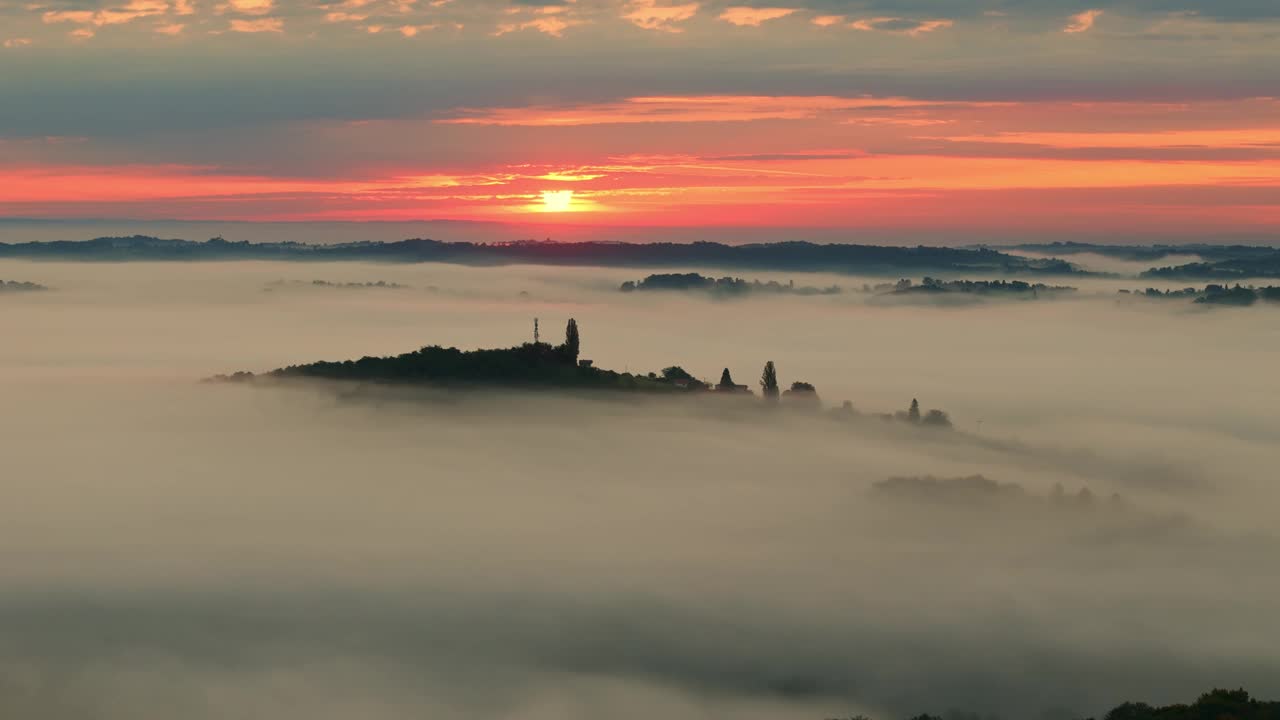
239, 83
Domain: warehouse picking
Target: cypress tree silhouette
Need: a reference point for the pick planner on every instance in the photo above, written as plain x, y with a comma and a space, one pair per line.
726, 381
769, 382
571, 341
914, 413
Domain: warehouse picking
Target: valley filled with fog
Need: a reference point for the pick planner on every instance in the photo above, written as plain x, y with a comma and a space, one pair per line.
239, 550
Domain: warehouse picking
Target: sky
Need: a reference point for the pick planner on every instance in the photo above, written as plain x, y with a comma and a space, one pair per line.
1093, 117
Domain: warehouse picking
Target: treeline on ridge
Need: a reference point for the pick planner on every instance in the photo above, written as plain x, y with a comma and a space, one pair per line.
721, 286
796, 256
733, 286
1216, 704
1238, 295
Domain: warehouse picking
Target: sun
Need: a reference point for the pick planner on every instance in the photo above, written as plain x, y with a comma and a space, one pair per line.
555, 201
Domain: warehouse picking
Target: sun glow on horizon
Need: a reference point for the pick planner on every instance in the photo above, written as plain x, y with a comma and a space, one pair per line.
556, 201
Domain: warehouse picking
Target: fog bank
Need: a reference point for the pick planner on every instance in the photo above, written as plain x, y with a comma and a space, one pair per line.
181, 549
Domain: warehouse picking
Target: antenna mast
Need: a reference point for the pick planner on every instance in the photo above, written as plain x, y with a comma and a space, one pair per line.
536, 336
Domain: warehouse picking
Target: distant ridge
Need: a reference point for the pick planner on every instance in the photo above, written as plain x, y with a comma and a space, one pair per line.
1217, 262
793, 256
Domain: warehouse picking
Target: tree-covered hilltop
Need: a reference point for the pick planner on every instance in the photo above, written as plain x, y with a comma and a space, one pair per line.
17, 286
1237, 295
533, 364
1153, 253
720, 287
1221, 262
1215, 262
540, 365
1214, 705
529, 365
1266, 267
791, 256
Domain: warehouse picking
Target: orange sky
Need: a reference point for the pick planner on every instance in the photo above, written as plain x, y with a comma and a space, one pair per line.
264, 110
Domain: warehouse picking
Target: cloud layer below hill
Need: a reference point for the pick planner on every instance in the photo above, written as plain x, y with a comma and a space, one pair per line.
205, 551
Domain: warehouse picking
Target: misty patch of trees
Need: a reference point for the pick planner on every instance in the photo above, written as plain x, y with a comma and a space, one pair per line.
913, 416
377, 284
14, 286
1072, 515
980, 490
1006, 288
721, 287
1213, 294
802, 394
1217, 704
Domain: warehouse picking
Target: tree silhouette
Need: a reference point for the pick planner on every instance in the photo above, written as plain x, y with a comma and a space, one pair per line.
675, 372
914, 413
936, 418
571, 340
802, 395
726, 380
769, 382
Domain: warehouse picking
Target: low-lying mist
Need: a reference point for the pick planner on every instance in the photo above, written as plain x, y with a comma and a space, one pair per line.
178, 549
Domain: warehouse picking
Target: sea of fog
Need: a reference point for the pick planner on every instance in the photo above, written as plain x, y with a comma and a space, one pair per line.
170, 548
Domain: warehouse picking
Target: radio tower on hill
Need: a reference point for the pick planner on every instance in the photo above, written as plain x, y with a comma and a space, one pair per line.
536, 336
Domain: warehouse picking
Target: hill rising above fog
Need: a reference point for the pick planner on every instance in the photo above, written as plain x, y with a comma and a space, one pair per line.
1216, 262
540, 365
797, 256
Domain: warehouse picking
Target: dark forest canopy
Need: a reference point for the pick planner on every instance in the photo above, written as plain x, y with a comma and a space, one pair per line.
530, 364
725, 286
1012, 288
1237, 295
1214, 705
798, 256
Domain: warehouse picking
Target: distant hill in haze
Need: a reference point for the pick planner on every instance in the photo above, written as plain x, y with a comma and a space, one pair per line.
1217, 262
794, 256
1239, 295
